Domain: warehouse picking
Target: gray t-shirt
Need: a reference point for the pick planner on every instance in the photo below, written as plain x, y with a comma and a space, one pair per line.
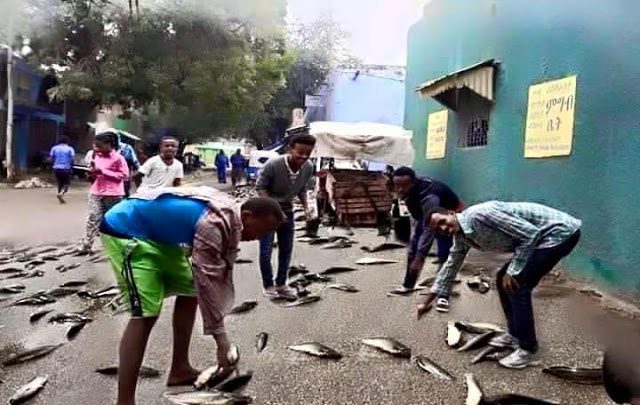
281, 184
158, 174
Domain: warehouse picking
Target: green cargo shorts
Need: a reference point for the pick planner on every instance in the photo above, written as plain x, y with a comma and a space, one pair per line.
147, 272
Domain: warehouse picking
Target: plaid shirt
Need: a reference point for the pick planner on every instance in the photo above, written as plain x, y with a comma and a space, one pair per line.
498, 226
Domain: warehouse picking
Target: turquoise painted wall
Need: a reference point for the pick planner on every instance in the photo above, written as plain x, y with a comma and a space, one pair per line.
538, 41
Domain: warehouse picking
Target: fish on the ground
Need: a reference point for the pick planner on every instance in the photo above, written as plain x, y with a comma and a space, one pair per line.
30, 354
211, 397
40, 299
33, 264
477, 342
454, 335
428, 365
489, 353
479, 328
74, 283
405, 292
11, 270
261, 341
476, 396
28, 391
33, 274
145, 371
319, 241
107, 292
337, 269
12, 289
244, 307
339, 244
36, 316
344, 287
300, 291
484, 287
365, 261
303, 301
316, 349
69, 317
66, 267
49, 258
98, 259
243, 261
578, 375
479, 283
383, 246
210, 377
74, 329
306, 239
236, 383
62, 292
388, 345
300, 282
299, 269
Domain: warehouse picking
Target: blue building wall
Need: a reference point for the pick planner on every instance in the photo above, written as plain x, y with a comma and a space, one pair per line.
369, 97
538, 41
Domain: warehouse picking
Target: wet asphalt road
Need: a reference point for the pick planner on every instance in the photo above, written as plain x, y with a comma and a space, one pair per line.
340, 320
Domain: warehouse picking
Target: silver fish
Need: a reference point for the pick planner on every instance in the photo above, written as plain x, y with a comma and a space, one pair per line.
339, 244
243, 261
302, 301
477, 342
344, 287
454, 335
475, 396
69, 317
33, 264
388, 345
316, 277
42, 299
33, 274
585, 376
244, 307
489, 353
295, 270
62, 292
316, 349
365, 261
479, 327
145, 372
73, 283
209, 377
206, 398
74, 329
29, 390
484, 287
261, 341
30, 354
236, 383
12, 289
66, 267
337, 269
319, 241
11, 270
383, 246
428, 365
36, 316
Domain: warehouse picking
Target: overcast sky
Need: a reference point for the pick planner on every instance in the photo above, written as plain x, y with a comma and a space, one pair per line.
377, 28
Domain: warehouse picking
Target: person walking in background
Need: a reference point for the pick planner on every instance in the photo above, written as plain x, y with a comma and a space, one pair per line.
133, 164
162, 170
62, 158
108, 170
237, 168
222, 163
282, 179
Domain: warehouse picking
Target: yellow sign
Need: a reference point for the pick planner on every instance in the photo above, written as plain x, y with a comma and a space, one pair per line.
437, 135
550, 118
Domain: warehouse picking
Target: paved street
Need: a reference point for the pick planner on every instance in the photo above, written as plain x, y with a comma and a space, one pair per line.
340, 320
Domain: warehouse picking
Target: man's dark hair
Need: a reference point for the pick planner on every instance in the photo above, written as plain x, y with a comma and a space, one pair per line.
405, 171
434, 210
169, 138
63, 139
264, 206
304, 139
108, 137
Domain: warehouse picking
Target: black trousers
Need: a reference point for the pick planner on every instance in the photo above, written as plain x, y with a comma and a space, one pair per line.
63, 178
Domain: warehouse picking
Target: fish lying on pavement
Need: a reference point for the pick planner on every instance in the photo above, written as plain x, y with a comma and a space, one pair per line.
316, 349
74, 283
585, 376
62, 292
11, 270
74, 329
295, 270
206, 398
69, 317
12, 289
40, 299
243, 261
319, 241
484, 287
337, 269
344, 287
428, 365
339, 244
210, 377
261, 341
383, 246
34, 273
30, 354
33, 264
388, 345
66, 267
236, 383
145, 372
480, 284
36, 316
365, 261
98, 259
454, 335
475, 396
477, 342
317, 277
479, 327
489, 353
302, 301
28, 391
244, 307
107, 292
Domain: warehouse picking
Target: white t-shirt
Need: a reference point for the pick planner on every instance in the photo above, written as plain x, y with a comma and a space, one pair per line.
158, 174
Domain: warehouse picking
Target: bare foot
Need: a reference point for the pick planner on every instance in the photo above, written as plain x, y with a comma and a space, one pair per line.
182, 377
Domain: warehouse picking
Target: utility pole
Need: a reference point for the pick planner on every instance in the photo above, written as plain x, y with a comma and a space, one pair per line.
9, 137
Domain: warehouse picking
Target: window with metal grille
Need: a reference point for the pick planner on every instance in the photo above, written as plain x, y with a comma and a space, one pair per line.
472, 119
477, 133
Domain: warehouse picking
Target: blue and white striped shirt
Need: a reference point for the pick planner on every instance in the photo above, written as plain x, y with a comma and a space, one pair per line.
517, 227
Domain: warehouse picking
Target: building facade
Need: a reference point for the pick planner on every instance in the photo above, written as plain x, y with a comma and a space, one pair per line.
578, 149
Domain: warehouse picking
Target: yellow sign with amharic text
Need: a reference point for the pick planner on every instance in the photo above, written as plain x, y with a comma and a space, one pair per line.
437, 134
550, 118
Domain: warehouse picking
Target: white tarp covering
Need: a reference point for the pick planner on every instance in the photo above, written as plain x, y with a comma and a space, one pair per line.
363, 140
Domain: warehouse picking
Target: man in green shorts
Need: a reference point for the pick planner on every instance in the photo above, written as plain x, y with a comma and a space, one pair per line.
144, 237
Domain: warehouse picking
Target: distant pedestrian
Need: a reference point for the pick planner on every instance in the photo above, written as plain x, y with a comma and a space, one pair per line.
162, 170
222, 163
133, 164
107, 169
420, 195
237, 168
539, 238
62, 158
284, 178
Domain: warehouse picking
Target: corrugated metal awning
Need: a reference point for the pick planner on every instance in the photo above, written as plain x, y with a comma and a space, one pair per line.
477, 78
